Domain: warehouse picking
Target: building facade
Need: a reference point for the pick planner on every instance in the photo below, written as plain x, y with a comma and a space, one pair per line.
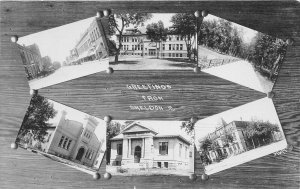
141, 145
135, 43
91, 46
74, 141
32, 60
237, 142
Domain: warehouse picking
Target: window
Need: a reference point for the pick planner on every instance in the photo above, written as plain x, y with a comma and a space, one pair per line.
173, 46
180, 149
166, 164
177, 46
69, 143
61, 140
181, 38
163, 148
163, 47
180, 55
65, 142
169, 46
177, 38
119, 149
159, 164
170, 38
170, 54
186, 152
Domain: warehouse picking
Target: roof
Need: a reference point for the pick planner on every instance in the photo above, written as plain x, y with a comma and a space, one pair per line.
161, 129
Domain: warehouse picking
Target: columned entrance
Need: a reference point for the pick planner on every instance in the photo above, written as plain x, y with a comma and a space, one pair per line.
137, 154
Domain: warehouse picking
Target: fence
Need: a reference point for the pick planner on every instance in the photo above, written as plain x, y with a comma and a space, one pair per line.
205, 63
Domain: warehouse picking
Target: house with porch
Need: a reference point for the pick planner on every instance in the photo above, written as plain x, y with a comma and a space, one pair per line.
152, 145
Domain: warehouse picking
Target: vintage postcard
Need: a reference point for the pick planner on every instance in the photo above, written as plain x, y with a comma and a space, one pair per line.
238, 135
152, 41
63, 134
64, 53
149, 148
239, 54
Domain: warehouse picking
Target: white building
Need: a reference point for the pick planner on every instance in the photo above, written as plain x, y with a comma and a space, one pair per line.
152, 145
135, 42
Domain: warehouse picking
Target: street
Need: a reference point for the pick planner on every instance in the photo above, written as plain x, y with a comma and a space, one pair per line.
150, 63
243, 73
66, 73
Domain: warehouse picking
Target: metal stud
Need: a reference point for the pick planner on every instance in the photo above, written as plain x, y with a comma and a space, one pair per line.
14, 39
197, 14
14, 146
193, 177
270, 94
96, 176
109, 70
107, 119
204, 176
107, 176
197, 69
194, 119
99, 14
204, 13
107, 12
33, 92
290, 41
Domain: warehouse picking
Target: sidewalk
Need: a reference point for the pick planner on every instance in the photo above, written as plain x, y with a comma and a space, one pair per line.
67, 73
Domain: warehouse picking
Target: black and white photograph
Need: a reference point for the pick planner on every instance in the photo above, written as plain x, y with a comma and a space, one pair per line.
238, 135
149, 148
152, 41
64, 53
239, 54
63, 134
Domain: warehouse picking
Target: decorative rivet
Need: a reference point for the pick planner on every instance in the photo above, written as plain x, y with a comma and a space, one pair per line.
204, 13
107, 12
107, 176
14, 146
289, 147
270, 94
290, 41
193, 176
197, 14
204, 176
99, 14
197, 69
194, 119
14, 39
107, 119
109, 70
96, 176
33, 92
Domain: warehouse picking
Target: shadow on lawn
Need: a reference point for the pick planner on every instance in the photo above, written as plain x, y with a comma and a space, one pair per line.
124, 62
183, 65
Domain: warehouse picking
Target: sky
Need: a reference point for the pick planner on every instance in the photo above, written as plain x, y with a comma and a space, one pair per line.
57, 42
262, 109
73, 114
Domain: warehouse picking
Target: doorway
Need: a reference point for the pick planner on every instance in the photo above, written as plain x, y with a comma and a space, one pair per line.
80, 154
137, 154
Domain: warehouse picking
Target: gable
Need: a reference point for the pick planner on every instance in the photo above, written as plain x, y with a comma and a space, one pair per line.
136, 128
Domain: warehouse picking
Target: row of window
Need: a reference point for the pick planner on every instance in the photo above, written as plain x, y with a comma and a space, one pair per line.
139, 39
87, 134
173, 47
89, 154
94, 35
64, 143
28, 58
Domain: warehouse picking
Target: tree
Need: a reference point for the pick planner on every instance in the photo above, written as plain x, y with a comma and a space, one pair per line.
118, 22
267, 54
260, 131
36, 118
188, 126
56, 65
113, 129
157, 33
185, 25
